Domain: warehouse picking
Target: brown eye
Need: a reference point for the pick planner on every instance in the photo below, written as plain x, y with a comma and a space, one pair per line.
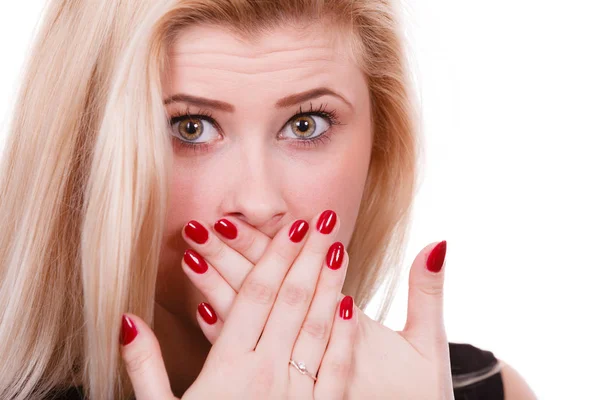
190, 128
306, 127
303, 126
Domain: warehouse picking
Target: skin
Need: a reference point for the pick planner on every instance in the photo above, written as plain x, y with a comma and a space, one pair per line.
258, 188
257, 173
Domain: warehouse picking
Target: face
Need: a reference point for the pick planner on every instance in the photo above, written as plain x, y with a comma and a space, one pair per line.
247, 153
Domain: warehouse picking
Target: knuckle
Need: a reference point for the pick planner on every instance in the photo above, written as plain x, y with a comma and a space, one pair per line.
435, 290
317, 329
248, 244
332, 282
339, 368
314, 249
138, 361
295, 295
210, 283
257, 292
282, 254
217, 252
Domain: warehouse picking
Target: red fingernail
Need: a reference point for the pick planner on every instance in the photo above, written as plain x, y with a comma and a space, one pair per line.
226, 228
196, 232
346, 306
298, 230
335, 255
435, 260
326, 221
195, 261
207, 313
128, 330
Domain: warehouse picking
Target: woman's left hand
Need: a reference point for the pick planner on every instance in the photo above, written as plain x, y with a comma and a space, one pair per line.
413, 363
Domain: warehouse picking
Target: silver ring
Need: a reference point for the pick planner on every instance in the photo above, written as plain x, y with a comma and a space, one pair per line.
301, 367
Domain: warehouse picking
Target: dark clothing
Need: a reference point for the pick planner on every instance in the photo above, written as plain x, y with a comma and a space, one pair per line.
475, 375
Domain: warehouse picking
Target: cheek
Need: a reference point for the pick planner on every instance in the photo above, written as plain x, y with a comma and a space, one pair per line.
195, 191
337, 184
187, 200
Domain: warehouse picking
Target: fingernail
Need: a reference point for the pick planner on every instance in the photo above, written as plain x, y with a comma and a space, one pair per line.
195, 261
226, 228
128, 330
346, 306
326, 221
196, 232
335, 255
298, 230
207, 313
435, 260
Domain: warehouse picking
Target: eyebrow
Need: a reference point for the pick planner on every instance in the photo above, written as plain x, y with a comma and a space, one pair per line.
281, 103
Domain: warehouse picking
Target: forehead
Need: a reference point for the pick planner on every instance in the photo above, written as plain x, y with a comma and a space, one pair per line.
212, 58
282, 45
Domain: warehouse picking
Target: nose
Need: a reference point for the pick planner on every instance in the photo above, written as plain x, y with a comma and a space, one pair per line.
254, 193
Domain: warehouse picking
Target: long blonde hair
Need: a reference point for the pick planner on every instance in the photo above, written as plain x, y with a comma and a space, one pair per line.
85, 172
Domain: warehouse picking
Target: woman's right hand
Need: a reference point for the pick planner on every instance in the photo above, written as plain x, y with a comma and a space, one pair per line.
250, 358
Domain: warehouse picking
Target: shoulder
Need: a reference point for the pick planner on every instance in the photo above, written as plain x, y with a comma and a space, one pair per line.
478, 374
515, 386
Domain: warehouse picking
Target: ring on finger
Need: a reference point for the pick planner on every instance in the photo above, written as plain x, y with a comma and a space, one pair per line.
301, 367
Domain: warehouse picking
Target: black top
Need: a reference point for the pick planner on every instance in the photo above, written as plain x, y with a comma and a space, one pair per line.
475, 376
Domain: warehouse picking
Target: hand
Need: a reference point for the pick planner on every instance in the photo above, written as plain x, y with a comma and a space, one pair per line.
250, 358
413, 363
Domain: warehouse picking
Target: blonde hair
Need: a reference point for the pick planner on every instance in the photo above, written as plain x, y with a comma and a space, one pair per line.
84, 177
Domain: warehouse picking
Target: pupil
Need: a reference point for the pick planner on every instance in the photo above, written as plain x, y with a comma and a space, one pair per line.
190, 127
303, 125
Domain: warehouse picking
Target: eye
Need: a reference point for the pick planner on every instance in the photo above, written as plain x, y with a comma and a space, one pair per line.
308, 129
191, 128
307, 126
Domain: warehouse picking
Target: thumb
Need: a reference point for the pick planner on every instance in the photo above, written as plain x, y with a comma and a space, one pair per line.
145, 366
425, 315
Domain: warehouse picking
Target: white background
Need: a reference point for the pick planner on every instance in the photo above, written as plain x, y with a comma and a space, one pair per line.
511, 111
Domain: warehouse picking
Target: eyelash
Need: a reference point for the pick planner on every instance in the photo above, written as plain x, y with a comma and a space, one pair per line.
329, 114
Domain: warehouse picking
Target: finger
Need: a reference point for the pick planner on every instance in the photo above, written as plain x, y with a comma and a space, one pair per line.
316, 328
254, 301
210, 283
425, 317
209, 322
143, 360
337, 365
232, 266
298, 288
247, 240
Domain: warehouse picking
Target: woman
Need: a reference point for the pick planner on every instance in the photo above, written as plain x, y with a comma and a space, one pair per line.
181, 152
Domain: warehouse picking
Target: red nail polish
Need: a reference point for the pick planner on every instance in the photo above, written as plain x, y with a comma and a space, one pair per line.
335, 255
207, 313
128, 330
346, 307
435, 260
196, 232
195, 261
226, 228
326, 221
298, 230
